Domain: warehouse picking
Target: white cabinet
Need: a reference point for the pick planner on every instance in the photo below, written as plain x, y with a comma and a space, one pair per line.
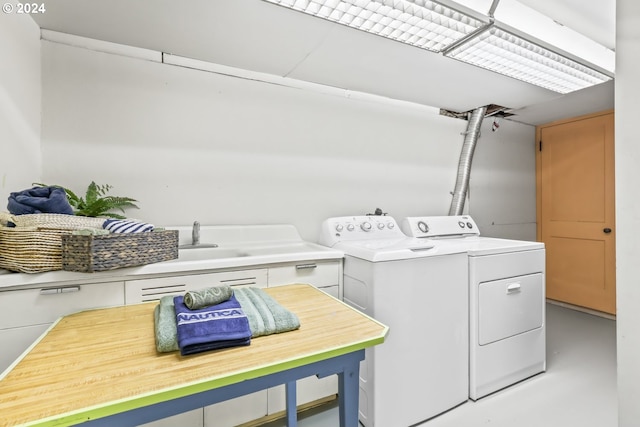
326, 275
26, 313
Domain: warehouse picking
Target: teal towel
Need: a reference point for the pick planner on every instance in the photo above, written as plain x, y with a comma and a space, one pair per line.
265, 315
195, 300
165, 325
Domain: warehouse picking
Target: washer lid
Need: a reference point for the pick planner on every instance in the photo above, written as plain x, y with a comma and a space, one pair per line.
396, 249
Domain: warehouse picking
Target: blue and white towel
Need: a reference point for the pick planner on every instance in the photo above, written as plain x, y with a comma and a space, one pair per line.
126, 226
218, 326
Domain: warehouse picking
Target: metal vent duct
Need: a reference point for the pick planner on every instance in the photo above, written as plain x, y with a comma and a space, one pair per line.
466, 157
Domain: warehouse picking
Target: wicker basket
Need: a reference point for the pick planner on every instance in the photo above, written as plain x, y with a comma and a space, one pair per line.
89, 253
31, 249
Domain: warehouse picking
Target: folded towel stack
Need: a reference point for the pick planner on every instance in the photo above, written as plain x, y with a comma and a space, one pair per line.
217, 326
247, 313
126, 226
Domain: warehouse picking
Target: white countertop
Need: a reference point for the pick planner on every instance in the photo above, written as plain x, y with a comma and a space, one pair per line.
238, 246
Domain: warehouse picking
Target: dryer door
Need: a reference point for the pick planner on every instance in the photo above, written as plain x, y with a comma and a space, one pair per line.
509, 307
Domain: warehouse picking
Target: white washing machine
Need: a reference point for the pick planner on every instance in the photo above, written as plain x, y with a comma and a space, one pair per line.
419, 289
506, 301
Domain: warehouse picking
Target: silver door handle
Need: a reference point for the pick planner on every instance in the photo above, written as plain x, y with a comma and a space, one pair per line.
61, 290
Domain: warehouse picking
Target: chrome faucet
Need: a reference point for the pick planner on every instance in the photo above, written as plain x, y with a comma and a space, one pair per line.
195, 239
195, 233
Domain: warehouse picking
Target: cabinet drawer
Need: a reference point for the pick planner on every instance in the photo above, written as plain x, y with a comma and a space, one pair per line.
37, 306
318, 274
143, 290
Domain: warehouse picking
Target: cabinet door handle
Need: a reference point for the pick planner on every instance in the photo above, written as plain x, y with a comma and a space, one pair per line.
305, 266
607, 230
61, 290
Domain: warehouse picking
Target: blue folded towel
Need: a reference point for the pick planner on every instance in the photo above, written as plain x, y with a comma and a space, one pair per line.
218, 326
39, 200
126, 226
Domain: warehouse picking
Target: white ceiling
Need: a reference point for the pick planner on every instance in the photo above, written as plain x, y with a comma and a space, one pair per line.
259, 36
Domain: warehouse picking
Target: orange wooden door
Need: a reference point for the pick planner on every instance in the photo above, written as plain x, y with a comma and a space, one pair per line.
576, 212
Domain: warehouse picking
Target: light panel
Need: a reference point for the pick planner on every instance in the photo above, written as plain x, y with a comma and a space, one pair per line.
432, 26
505, 53
420, 23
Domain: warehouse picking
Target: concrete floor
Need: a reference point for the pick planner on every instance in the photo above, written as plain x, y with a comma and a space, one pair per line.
577, 390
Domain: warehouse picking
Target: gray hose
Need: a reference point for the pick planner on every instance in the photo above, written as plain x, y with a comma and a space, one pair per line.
466, 157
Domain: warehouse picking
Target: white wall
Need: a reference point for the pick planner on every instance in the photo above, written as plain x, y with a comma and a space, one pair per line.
190, 144
628, 211
20, 101
502, 193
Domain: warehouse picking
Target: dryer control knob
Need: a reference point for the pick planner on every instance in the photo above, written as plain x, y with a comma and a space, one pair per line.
390, 225
339, 227
380, 226
422, 226
350, 227
366, 226
461, 224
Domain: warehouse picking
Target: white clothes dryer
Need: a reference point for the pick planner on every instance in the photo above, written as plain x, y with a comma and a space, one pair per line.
506, 301
419, 289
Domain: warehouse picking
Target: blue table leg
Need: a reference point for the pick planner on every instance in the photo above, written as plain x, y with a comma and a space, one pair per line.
292, 407
348, 393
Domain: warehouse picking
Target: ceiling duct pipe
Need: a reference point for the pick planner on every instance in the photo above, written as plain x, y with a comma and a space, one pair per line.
466, 157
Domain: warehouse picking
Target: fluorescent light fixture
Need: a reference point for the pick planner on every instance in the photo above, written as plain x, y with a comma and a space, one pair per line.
420, 23
505, 53
439, 28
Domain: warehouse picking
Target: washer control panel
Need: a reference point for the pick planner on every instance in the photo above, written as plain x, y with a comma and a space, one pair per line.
440, 226
364, 227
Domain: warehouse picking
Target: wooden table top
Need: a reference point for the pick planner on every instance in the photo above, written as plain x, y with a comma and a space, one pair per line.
100, 362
